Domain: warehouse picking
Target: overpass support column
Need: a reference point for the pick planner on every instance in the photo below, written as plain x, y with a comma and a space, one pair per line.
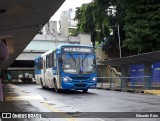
1, 90
147, 72
124, 73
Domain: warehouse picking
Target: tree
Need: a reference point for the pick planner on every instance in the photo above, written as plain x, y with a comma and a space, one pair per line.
139, 23
92, 19
142, 23
85, 17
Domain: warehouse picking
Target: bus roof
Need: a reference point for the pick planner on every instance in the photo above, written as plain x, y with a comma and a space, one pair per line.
73, 45
59, 47
48, 52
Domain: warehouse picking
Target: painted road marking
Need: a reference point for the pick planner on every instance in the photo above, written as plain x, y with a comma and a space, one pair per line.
53, 109
29, 97
25, 96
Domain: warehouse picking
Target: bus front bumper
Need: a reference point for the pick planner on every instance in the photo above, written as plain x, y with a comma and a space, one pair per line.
79, 86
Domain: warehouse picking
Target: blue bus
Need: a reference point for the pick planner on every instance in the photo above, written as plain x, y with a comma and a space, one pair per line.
68, 66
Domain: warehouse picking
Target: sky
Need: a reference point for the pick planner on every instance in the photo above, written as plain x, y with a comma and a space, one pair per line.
66, 5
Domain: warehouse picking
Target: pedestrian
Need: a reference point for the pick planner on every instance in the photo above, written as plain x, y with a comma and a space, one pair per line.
9, 77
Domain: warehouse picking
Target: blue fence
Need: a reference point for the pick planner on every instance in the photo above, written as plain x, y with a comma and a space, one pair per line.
156, 72
116, 83
137, 71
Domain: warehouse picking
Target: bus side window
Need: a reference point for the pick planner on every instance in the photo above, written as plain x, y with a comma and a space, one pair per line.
35, 66
41, 63
47, 61
54, 61
50, 60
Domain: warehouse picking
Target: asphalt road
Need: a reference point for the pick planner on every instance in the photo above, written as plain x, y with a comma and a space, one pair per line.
97, 100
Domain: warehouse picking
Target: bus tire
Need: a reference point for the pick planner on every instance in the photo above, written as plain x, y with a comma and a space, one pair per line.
85, 90
55, 86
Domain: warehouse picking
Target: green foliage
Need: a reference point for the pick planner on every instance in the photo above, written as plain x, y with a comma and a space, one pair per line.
139, 22
142, 23
72, 32
92, 19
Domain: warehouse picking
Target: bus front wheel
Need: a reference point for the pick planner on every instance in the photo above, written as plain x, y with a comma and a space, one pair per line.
85, 90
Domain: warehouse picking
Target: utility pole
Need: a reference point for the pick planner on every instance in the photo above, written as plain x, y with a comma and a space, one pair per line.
120, 54
111, 12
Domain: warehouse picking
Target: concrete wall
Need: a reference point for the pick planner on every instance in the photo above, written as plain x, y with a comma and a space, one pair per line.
45, 42
64, 24
101, 55
85, 39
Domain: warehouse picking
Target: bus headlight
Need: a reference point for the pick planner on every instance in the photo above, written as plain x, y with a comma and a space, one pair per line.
94, 79
67, 79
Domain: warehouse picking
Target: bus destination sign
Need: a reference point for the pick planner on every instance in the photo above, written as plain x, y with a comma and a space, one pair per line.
77, 49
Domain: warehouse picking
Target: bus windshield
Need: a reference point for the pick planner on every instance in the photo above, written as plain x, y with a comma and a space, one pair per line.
78, 63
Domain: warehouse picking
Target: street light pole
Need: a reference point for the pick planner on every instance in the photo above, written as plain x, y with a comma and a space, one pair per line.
119, 39
111, 11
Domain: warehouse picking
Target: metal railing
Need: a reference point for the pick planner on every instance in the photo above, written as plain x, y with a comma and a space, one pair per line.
127, 83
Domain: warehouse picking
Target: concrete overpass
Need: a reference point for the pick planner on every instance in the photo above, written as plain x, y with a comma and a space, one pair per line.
40, 44
24, 63
22, 20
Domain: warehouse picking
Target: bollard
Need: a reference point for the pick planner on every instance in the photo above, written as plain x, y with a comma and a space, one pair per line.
1, 92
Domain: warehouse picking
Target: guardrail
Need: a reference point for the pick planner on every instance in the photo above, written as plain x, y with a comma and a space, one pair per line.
127, 83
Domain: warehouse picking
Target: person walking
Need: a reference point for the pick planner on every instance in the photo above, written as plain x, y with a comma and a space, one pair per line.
9, 77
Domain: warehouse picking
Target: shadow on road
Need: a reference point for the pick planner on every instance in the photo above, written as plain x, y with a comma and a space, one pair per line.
79, 92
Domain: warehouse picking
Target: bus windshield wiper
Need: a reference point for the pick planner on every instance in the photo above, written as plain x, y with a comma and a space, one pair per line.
73, 58
84, 58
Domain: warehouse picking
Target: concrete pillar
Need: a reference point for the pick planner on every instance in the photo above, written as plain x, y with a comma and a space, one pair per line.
1, 91
147, 72
64, 24
4, 54
124, 73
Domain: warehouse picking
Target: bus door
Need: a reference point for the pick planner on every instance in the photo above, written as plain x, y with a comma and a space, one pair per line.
44, 71
59, 62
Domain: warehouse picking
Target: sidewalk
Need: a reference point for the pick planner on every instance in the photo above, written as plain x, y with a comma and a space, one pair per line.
17, 100
10, 104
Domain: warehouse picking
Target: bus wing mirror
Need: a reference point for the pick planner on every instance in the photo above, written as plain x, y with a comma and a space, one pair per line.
60, 59
94, 61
